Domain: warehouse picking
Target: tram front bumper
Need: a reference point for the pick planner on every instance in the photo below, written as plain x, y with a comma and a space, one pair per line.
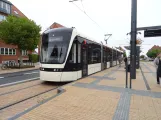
50, 76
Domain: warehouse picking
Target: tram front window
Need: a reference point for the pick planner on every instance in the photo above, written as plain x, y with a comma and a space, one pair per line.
54, 47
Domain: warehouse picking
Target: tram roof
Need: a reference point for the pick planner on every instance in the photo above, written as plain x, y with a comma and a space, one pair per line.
80, 34
91, 39
61, 29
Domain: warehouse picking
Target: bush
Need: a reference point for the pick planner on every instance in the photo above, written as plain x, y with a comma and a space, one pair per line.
142, 56
124, 54
33, 58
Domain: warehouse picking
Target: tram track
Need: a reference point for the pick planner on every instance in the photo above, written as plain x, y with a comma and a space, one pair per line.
18, 96
17, 87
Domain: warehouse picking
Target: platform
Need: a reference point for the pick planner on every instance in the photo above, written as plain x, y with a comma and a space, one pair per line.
103, 96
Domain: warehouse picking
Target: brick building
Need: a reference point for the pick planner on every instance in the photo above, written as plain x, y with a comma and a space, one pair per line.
10, 52
54, 25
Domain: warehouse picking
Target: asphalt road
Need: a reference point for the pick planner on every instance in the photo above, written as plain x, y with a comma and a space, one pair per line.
18, 76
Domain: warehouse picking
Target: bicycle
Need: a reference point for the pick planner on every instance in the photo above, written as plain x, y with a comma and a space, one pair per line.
4, 66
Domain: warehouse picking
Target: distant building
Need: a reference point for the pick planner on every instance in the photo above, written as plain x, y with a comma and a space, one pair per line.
54, 25
155, 47
10, 52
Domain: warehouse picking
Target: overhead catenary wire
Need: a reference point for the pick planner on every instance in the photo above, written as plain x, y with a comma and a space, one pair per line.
88, 15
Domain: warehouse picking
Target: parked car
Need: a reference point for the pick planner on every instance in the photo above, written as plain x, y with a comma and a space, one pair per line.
151, 59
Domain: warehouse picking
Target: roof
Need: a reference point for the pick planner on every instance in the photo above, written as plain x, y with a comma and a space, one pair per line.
56, 25
156, 47
6, 1
15, 11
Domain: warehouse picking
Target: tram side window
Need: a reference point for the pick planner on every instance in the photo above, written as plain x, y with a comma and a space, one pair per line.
113, 55
96, 54
90, 54
110, 55
72, 54
104, 54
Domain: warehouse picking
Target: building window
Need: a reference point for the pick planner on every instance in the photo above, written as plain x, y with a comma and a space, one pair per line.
2, 51
24, 52
10, 51
7, 51
16, 12
8, 8
5, 7
2, 17
1, 4
14, 51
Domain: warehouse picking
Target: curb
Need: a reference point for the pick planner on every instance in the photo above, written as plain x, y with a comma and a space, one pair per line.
14, 83
18, 71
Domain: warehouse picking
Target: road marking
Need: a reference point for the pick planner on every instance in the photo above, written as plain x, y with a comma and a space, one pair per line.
30, 73
1, 77
35, 72
14, 83
27, 73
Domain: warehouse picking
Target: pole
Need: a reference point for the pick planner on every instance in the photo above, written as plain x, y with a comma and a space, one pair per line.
109, 35
133, 41
116, 57
126, 74
101, 55
112, 56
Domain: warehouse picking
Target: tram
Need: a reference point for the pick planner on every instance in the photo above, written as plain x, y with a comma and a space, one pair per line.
66, 55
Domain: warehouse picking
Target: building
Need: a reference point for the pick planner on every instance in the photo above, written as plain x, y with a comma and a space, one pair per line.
10, 52
155, 47
54, 25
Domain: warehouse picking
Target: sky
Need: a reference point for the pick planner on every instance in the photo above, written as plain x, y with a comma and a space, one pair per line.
110, 17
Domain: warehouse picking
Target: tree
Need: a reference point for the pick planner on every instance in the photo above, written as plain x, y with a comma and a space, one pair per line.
21, 32
153, 53
142, 56
33, 58
124, 54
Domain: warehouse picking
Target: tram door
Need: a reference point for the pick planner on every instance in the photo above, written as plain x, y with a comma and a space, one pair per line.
104, 59
84, 62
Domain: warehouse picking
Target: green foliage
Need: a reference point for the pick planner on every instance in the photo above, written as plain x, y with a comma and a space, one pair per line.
33, 58
21, 32
124, 54
142, 56
153, 53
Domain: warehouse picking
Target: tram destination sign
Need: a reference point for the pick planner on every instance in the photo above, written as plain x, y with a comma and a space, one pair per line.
152, 33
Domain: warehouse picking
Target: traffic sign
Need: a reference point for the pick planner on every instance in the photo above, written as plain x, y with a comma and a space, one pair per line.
152, 33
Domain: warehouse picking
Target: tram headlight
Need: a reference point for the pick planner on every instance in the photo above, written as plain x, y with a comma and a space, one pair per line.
57, 70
